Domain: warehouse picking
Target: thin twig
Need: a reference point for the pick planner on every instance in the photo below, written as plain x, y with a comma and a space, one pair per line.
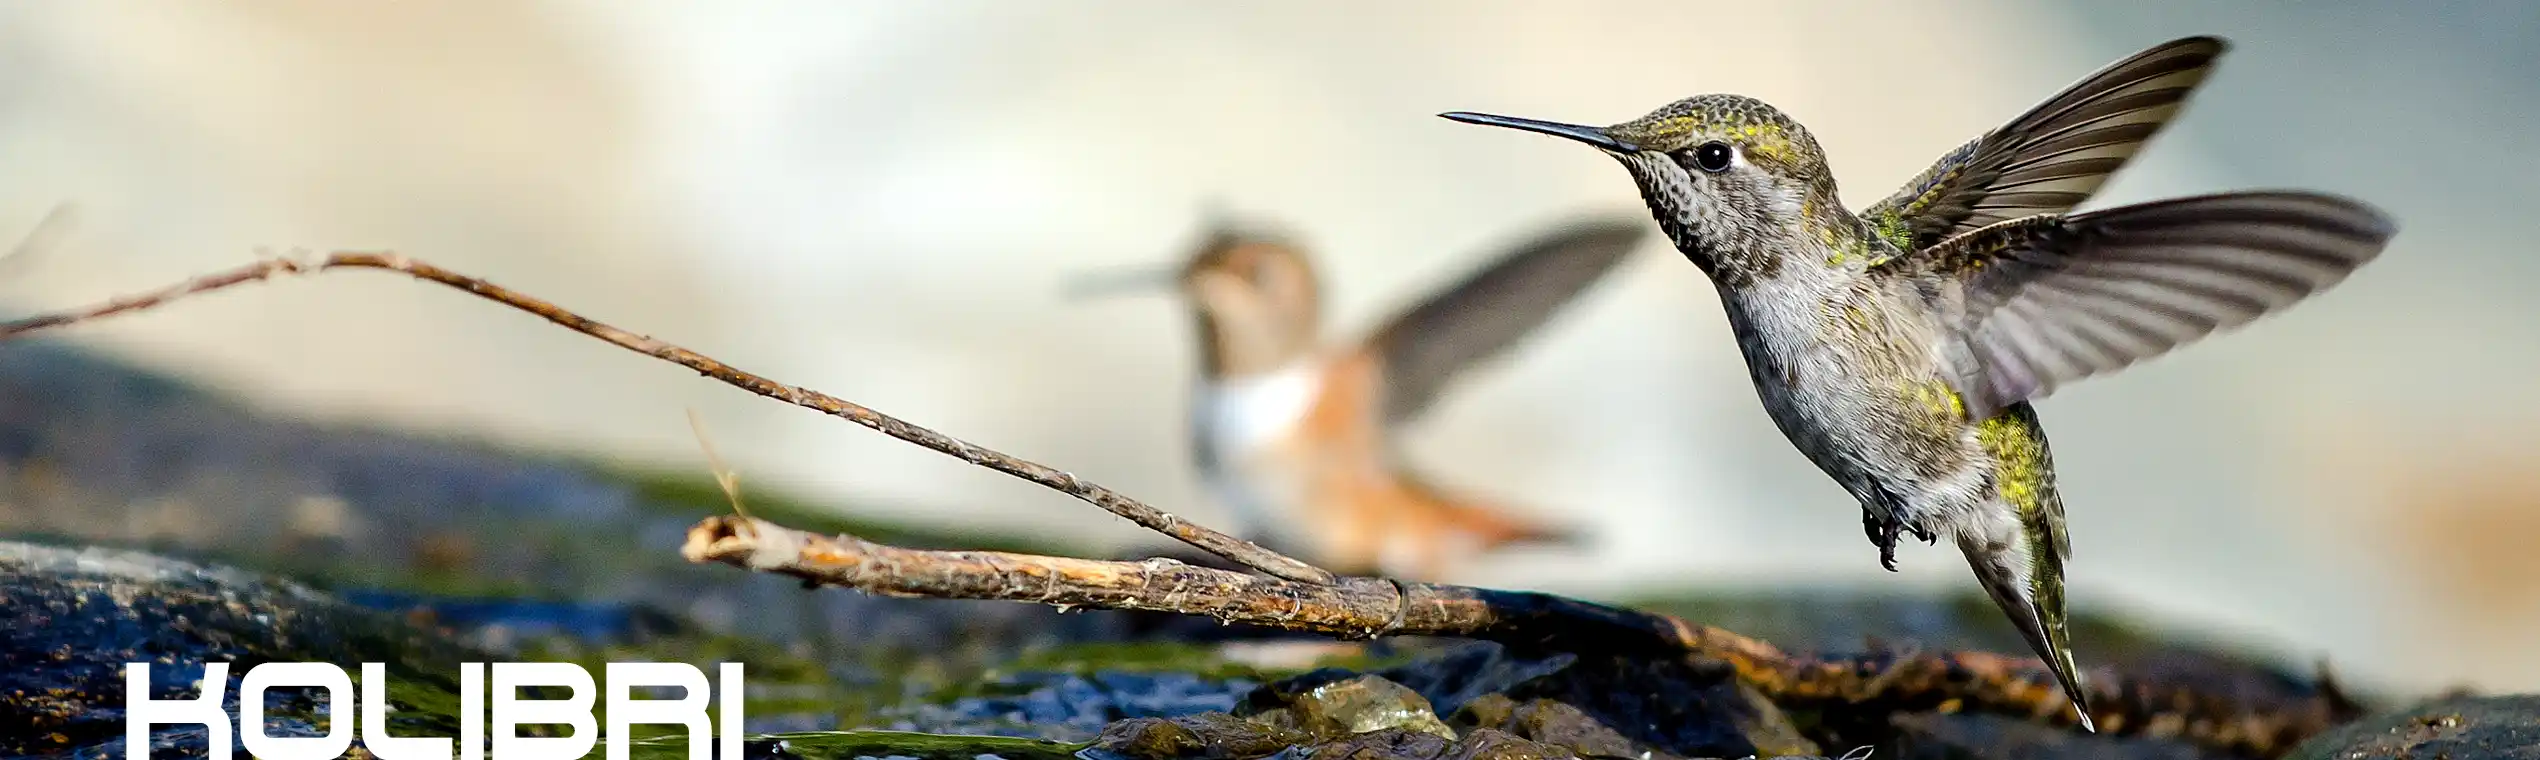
1362, 608
1237, 550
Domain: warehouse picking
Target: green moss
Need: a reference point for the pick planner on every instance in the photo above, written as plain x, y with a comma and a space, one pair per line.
1205, 662
780, 682
424, 708
852, 744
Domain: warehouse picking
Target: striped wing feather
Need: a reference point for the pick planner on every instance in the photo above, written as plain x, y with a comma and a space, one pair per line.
2048, 300
2056, 155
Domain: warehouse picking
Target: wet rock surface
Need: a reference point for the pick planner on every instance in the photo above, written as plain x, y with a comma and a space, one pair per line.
71, 619
1358, 705
1671, 707
2464, 728
1480, 701
1935, 736
876, 745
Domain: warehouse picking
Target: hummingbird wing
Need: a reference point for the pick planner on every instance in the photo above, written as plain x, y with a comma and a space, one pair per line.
2054, 156
2040, 302
1422, 350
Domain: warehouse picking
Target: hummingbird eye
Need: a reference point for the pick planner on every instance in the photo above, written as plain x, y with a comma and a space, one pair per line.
1713, 156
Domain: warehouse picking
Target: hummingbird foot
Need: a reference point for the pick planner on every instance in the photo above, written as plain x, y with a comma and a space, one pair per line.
1884, 532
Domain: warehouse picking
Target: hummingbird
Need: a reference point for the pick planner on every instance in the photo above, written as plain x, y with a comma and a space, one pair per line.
1288, 422
1900, 348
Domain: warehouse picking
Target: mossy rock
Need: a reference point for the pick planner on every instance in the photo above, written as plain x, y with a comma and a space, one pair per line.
71, 618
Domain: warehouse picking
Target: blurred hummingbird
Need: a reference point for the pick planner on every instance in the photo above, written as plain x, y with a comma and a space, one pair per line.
1899, 347
1296, 435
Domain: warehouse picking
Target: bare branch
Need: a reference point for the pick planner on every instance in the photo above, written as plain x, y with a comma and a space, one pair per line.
1237, 550
1361, 608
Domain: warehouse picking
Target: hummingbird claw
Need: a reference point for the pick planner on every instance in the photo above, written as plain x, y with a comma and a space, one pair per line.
1883, 532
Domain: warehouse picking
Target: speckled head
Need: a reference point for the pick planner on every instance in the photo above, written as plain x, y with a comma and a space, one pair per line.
1728, 176
1757, 131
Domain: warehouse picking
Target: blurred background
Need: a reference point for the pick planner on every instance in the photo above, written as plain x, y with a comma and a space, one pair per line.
883, 202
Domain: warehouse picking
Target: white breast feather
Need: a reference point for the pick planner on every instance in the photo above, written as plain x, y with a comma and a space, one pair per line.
1244, 417
1247, 413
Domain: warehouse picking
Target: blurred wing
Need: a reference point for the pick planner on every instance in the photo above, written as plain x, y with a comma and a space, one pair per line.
1424, 349
2053, 157
2041, 302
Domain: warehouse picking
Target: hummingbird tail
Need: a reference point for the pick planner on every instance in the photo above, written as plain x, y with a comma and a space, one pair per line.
1486, 525
2019, 545
1495, 528
2027, 581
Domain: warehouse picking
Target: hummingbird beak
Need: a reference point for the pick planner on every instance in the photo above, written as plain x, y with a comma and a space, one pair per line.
1089, 286
1596, 136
